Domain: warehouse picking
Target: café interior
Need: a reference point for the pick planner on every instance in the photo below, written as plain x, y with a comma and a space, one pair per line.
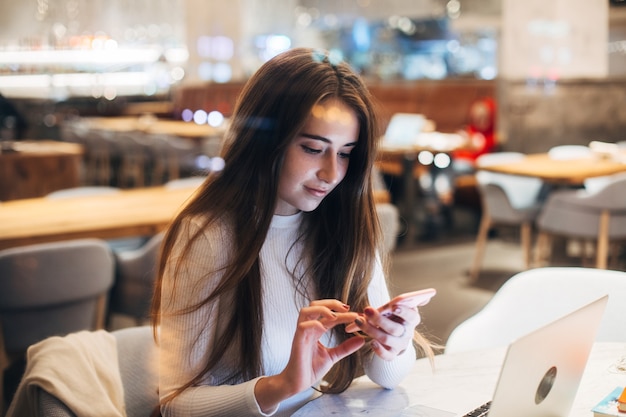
502, 157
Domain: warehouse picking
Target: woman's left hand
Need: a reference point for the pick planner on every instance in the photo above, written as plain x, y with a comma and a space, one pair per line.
391, 333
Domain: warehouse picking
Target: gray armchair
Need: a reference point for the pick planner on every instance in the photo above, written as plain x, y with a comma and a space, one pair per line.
118, 369
51, 289
134, 282
599, 216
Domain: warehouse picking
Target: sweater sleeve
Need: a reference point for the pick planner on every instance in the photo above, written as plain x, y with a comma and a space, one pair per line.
187, 338
387, 374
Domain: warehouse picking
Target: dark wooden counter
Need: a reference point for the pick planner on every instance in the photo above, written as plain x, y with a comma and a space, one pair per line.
35, 168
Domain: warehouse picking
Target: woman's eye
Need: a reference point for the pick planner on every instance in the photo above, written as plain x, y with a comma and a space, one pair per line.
308, 149
344, 155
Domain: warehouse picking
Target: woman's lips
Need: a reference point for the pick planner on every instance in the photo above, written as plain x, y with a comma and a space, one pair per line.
316, 191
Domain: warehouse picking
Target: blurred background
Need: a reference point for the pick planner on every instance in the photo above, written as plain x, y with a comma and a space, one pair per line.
559, 61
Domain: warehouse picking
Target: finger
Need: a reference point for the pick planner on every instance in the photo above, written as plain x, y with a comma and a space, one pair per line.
331, 304
383, 351
337, 319
316, 312
404, 314
346, 348
376, 322
327, 317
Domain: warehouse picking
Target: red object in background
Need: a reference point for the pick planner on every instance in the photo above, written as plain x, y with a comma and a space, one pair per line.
480, 130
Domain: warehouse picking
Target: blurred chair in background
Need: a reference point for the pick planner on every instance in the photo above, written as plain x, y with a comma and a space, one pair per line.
509, 200
533, 298
135, 150
50, 289
101, 157
598, 216
118, 369
134, 281
174, 157
388, 214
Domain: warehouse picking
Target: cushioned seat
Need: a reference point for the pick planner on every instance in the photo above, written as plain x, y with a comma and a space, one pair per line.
599, 216
535, 297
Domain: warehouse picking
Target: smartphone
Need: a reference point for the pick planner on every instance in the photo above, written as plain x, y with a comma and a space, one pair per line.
410, 299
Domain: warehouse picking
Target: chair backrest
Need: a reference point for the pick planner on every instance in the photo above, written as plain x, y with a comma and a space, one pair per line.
53, 289
135, 276
522, 192
137, 357
598, 184
578, 212
538, 296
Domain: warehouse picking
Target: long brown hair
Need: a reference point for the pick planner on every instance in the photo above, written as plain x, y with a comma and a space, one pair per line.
341, 237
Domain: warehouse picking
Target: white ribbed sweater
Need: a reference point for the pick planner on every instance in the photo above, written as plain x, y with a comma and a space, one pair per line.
185, 340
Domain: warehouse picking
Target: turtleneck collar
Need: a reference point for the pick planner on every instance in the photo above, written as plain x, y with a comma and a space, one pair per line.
286, 221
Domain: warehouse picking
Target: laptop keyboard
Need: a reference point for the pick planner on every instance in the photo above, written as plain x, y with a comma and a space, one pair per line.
481, 411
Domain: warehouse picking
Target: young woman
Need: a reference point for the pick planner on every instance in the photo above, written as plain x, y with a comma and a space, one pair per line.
263, 269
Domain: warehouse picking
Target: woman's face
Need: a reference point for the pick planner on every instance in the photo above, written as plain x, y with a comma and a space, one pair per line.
317, 159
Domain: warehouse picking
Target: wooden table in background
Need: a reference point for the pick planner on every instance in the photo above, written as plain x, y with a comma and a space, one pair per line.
35, 168
133, 212
561, 171
152, 125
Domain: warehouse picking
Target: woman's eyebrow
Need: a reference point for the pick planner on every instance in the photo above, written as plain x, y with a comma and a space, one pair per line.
323, 139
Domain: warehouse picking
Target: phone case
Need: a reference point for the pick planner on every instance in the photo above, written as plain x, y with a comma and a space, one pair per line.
409, 299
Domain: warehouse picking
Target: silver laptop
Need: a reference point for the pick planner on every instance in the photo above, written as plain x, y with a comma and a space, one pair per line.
404, 128
542, 370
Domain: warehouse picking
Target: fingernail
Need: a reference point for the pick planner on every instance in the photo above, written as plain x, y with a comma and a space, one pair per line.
369, 312
346, 306
358, 322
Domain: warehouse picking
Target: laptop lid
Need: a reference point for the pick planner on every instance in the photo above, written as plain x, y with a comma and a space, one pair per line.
404, 128
542, 370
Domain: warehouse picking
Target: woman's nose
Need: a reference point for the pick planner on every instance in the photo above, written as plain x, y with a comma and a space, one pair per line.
328, 171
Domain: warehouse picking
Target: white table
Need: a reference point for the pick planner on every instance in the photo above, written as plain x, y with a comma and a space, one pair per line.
459, 383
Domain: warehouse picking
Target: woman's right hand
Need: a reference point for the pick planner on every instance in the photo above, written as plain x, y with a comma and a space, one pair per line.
310, 360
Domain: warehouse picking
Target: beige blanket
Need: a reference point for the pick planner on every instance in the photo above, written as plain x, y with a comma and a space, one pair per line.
80, 369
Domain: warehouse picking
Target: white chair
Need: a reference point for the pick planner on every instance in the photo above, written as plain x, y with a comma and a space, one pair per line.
506, 200
599, 216
533, 298
51, 289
